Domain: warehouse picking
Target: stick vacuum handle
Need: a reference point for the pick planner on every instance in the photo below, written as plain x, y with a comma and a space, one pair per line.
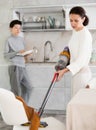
40, 112
55, 77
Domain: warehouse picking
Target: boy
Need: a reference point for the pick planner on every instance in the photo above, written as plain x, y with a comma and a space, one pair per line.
15, 44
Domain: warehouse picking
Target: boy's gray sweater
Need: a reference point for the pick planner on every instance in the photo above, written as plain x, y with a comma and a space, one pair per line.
13, 45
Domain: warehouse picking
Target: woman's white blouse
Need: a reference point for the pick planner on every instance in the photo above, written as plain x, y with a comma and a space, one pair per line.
80, 46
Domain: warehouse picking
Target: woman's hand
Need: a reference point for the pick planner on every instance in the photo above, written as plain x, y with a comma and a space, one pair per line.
61, 73
87, 86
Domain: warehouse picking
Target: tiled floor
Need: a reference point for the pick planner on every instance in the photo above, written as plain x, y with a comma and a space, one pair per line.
3, 126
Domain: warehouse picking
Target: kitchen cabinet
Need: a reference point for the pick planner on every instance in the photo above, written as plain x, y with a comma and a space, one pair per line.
93, 69
41, 18
90, 9
41, 76
4, 82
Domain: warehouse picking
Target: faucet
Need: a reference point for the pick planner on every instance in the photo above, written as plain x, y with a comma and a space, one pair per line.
46, 57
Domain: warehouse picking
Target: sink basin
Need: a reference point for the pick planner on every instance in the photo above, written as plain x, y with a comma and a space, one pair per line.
41, 63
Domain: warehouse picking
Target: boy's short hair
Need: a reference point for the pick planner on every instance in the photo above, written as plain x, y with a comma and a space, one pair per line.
14, 22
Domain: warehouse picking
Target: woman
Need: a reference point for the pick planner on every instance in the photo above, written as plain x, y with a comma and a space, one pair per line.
80, 46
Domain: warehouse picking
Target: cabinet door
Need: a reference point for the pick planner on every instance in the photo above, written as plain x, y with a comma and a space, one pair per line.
90, 11
67, 20
40, 77
93, 70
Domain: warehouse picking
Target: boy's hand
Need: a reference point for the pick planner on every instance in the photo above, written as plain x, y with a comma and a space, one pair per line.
21, 51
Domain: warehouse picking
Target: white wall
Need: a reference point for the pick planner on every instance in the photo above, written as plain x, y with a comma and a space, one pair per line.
49, 2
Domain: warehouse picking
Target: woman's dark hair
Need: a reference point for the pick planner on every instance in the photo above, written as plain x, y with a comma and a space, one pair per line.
14, 22
81, 12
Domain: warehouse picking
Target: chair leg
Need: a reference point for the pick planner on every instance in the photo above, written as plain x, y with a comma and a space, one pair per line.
33, 117
35, 122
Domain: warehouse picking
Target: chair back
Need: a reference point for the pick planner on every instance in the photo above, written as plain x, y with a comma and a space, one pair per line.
11, 109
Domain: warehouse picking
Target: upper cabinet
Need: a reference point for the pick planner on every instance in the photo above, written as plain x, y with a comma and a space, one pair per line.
90, 12
51, 18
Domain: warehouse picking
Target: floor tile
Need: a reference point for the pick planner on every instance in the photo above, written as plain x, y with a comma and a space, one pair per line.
4, 126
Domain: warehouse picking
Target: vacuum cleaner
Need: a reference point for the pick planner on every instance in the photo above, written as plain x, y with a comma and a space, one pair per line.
64, 60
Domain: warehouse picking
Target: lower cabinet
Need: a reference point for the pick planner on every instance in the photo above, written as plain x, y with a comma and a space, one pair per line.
41, 76
93, 70
4, 77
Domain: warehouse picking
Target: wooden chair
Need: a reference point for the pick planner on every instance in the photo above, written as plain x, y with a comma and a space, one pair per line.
13, 113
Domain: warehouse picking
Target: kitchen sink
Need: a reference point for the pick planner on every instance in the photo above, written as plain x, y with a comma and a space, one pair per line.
44, 62
39, 62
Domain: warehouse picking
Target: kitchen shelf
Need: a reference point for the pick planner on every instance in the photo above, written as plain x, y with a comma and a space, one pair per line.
44, 30
42, 18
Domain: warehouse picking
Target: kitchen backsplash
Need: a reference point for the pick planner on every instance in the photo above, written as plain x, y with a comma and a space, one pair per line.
57, 39
42, 41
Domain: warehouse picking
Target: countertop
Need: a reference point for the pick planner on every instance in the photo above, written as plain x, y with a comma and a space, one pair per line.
41, 63
52, 63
